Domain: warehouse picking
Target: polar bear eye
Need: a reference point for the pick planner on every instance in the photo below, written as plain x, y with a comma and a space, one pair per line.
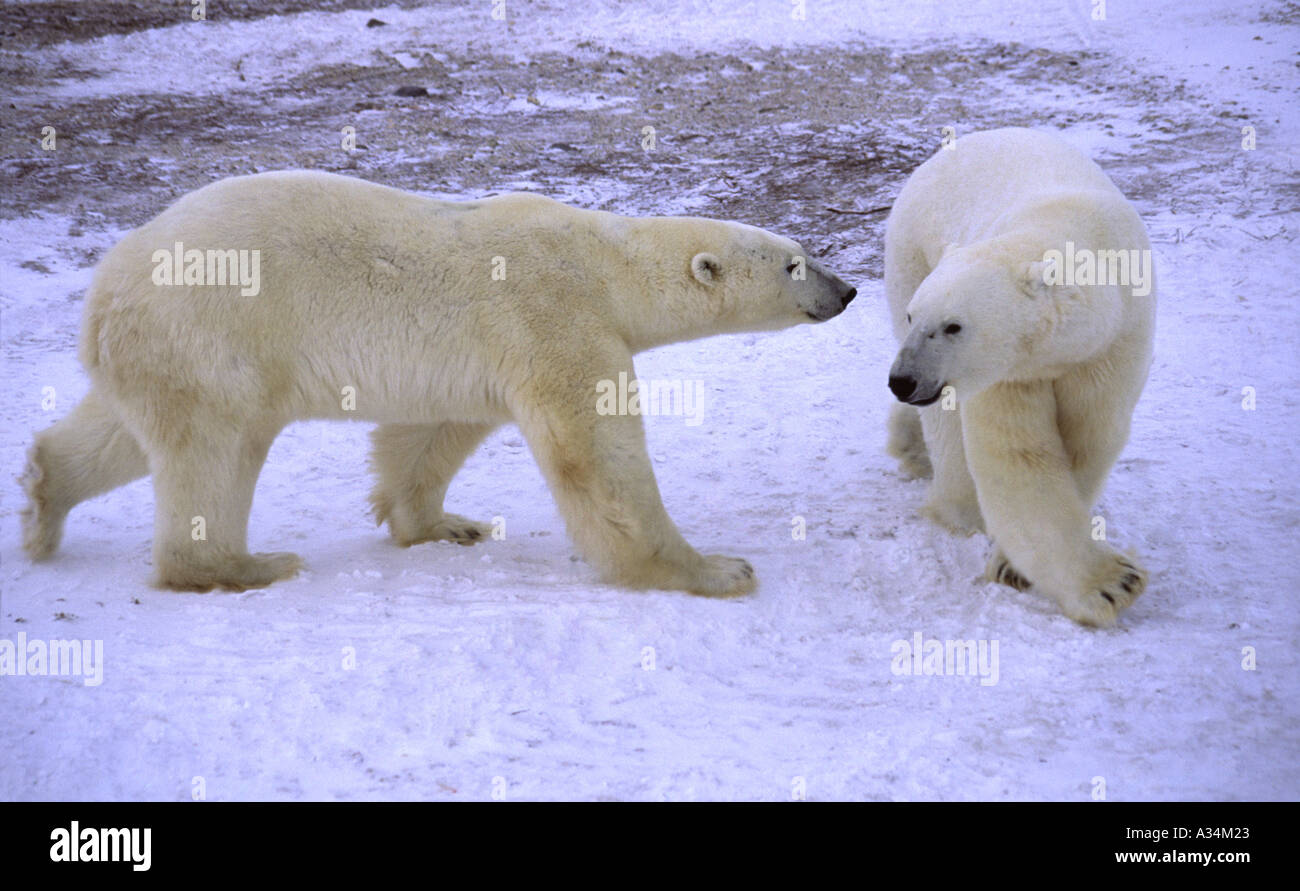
909, 318
954, 328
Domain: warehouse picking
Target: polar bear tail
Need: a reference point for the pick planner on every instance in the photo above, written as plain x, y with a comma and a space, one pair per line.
86, 454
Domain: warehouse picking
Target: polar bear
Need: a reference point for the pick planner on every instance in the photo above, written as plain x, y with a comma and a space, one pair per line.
440, 320
1018, 276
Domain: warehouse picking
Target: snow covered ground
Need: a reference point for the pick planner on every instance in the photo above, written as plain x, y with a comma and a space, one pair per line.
506, 670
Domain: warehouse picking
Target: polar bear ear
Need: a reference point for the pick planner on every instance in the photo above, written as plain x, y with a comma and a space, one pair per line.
706, 268
1036, 279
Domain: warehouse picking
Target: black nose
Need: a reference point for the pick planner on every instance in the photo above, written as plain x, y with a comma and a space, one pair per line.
902, 387
848, 298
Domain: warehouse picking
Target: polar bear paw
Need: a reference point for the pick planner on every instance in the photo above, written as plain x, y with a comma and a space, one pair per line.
449, 527
237, 573
1001, 571
1112, 588
724, 577
958, 517
42, 521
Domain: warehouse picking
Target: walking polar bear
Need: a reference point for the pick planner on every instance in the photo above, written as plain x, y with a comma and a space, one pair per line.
446, 319
1020, 277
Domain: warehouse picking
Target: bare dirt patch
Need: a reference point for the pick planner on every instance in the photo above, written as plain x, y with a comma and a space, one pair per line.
811, 142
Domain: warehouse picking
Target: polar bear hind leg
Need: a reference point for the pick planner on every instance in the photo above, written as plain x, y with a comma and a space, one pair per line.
203, 491
415, 464
85, 454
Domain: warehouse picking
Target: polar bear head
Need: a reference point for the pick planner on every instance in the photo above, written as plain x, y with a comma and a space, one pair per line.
983, 315
761, 280
703, 277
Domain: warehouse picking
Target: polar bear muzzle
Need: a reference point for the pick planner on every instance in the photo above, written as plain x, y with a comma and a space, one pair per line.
913, 392
912, 377
823, 294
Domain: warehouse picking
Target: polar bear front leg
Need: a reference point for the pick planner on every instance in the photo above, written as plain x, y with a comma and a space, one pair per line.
907, 441
952, 501
203, 491
1032, 505
415, 464
600, 475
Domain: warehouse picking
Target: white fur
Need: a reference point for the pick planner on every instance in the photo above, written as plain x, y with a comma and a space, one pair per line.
1045, 377
393, 294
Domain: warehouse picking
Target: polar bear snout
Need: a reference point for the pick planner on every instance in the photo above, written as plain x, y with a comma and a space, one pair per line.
909, 390
834, 305
902, 386
910, 383
831, 295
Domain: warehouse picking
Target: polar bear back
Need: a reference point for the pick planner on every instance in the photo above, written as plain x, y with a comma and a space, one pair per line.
959, 195
338, 303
